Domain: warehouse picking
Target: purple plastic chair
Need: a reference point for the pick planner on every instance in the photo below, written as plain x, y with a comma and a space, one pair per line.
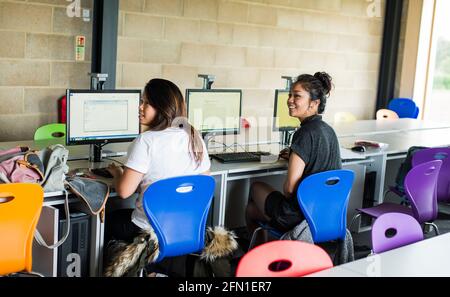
393, 230
420, 187
443, 184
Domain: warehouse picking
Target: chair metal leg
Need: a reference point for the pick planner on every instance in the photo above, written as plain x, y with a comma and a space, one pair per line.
385, 194
252, 241
26, 273
355, 217
435, 227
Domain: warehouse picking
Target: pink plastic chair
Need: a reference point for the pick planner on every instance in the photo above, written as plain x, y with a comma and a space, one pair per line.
283, 258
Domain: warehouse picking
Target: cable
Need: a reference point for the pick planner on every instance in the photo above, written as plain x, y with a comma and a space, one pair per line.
223, 144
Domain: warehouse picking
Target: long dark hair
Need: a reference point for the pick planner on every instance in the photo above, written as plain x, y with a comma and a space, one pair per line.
167, 100
318, 86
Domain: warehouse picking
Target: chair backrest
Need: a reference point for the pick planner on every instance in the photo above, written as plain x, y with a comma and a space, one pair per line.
393, 230
386, 114
344, 117
177, 208
20, 208
443, 184
50, 131
283, 258
404, 107
420, 188
323, 198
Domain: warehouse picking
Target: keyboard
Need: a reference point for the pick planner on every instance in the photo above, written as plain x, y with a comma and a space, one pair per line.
101, 172
237, 157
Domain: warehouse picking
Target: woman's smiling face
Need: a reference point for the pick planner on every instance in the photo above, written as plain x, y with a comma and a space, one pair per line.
299, 102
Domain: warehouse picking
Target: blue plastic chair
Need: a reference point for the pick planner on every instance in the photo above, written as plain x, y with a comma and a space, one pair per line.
177, 208
323, 199
404, 107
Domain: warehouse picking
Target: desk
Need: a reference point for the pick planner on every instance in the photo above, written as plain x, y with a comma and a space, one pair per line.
233, 180
428, 257
371, 127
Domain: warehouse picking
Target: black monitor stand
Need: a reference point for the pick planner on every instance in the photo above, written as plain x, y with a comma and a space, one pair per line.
285, 138
95, 152
97, 83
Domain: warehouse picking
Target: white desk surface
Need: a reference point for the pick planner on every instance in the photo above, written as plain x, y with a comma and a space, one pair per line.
364, 127
400, 142
429, 257
335, 272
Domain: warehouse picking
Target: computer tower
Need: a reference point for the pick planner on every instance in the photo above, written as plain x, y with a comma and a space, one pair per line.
74, 253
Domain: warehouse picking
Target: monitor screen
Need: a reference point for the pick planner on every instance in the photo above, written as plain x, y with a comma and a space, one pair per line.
102, 116
215, 111
282, 121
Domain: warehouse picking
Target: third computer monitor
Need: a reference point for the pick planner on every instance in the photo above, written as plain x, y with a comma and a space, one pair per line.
282, 121
215, 111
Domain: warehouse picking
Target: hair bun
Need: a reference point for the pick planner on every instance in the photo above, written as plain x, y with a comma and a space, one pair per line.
325, 79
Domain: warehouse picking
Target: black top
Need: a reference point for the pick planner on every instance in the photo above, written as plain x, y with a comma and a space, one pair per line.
316, 143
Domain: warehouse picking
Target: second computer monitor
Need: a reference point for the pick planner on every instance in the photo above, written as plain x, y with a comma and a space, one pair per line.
215, 111
282, 121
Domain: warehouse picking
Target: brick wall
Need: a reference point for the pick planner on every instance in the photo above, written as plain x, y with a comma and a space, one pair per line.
37, 63
247, 44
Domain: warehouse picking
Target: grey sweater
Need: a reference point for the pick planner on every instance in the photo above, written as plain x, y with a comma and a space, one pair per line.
344, 253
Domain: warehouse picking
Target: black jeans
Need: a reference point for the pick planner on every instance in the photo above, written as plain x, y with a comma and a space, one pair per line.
119, 226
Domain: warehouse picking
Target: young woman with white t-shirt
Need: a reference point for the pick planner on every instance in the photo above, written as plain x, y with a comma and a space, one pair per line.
169, 148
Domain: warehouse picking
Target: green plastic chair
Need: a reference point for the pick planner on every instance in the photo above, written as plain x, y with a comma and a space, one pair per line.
50, 131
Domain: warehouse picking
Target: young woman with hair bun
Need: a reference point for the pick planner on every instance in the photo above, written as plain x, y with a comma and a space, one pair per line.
314, 149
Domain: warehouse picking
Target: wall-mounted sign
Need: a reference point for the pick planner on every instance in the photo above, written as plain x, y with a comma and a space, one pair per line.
80, 46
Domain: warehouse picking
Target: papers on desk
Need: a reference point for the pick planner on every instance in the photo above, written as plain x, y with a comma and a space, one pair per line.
368, 144
347, 154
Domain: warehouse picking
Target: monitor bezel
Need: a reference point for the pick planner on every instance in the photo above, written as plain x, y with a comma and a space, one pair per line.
217, 132
99, 141
274, 127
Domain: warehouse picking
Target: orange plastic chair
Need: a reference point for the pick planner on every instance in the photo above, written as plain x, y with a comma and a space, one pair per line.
386, 114
283, 258
20, 208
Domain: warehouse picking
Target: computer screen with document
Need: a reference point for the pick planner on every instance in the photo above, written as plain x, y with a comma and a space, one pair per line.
214, 111
102, 116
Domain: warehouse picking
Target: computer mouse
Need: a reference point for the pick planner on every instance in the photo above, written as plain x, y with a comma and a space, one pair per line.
359, 149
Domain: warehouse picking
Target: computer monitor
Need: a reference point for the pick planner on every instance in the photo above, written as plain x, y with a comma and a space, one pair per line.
215, 112
282, 121
101, 117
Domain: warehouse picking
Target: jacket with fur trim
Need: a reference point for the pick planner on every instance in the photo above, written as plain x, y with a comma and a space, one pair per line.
130, 259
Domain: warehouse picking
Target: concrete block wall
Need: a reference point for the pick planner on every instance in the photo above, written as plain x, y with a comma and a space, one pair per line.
247, 44
250, 44
37, 62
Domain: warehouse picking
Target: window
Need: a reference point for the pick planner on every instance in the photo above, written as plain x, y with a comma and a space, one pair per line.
437, 101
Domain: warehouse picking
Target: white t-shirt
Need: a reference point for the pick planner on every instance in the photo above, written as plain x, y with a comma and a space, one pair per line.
159, 155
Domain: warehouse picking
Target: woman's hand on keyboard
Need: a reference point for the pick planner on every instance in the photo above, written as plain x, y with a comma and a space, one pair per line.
116, 171
284, 154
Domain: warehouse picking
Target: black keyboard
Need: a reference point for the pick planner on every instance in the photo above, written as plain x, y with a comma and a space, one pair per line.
239, 157
101, 172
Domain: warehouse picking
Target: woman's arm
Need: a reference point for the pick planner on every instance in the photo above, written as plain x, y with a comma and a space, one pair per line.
295, 171
126, 181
